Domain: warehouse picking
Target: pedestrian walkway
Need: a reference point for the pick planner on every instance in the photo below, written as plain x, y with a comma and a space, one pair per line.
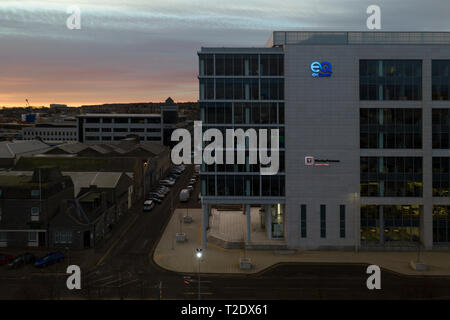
180, 257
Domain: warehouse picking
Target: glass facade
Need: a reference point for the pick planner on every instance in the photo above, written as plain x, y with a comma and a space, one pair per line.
391, 176
391, 128
277, 211
254, 86
441, 224
242, 77
388, 224
243, 185
441, 80
441, 125
242, 113
441, 176
323, 221
303, 220
342, 221
390, 79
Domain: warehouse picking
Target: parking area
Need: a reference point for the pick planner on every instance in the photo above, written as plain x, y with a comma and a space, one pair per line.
30, 261
193, 201
186, 193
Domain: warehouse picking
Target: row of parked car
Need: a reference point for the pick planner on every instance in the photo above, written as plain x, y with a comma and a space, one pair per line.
158, 194
28, 258
185, 194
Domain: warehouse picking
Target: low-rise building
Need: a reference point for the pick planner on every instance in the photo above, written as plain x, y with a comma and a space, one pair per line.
101, 199
51, 132
96, 128
145, 162
28, 203
11, 151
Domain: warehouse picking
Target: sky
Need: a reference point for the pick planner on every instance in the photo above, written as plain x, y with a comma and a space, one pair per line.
146, 50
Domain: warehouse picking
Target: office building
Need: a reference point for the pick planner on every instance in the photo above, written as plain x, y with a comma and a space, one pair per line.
57, 132
112, 128
364, 138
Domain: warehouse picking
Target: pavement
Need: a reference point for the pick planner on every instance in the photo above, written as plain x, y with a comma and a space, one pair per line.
180, 257
122, 267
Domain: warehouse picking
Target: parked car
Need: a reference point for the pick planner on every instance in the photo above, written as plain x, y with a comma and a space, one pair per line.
155, 199
51, 258
21, 260
190, 188
184, 195
192, 181
148, 205
167, 182
162, 192
165, 189
156, 195
5, 258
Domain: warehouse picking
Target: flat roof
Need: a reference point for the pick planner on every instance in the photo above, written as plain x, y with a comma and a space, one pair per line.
253, 50
122, 115
280, 38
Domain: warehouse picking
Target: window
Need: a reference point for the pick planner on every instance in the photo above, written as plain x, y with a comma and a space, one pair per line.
106, 129
391, 128
390, 79
271, 65
441, 125
32, 236
206, 89
121, 120
441, 224
0, 214
3, 236
34, 193
120, 129
277, 211
401, 223
391, 176
441, 80
138, 120
303, 220
323, 223
441, 172
154, 120
342, 221
35, 214
206, 65
92, 120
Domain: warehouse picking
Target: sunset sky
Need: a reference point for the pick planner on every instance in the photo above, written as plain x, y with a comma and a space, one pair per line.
146, 50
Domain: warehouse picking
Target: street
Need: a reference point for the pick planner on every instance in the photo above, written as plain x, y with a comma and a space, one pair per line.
123, 268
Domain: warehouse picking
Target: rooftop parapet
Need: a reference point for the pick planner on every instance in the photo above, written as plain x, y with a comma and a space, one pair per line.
280, 38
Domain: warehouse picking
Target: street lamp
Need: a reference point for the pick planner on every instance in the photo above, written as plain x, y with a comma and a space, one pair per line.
199, 255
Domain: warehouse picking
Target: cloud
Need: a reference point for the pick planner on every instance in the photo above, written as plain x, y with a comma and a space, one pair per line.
132, 49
